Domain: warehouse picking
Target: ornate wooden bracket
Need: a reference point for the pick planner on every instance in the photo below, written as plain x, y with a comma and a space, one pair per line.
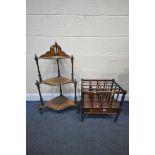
55, 51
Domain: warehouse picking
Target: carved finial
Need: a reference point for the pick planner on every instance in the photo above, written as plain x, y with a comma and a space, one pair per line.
35, 57
125, 91
72, 57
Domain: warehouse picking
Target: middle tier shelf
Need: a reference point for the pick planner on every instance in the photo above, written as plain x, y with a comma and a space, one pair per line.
57, 81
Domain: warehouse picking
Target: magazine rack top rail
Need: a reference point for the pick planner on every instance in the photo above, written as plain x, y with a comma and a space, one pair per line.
60, 102
101, 96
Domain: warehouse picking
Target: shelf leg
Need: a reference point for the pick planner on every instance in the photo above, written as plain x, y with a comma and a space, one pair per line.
39, 74
41, 99
60, 90
75, 98
56, 51
72, 74
59, 73
58, 67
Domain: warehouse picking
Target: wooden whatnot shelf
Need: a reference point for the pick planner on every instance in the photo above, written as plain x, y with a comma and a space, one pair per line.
60, 102
100, 96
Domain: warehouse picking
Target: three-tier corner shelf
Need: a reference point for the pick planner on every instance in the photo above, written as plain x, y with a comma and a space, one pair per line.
60, 102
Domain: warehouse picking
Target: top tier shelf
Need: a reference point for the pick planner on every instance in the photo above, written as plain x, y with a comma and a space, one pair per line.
55, 53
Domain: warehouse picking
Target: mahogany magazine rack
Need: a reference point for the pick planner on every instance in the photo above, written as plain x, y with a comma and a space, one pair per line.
101, 96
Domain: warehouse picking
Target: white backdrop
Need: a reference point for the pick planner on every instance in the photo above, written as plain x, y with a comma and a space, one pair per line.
95, 32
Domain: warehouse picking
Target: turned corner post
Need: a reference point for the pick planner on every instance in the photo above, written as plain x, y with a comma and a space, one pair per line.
41, 99
123, 97
81, 106
82, 101
75, 97
39, 75
72, 74
113, 81
56, 51
121, 102
60, 90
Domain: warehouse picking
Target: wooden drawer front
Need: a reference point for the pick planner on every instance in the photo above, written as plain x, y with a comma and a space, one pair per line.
101, 111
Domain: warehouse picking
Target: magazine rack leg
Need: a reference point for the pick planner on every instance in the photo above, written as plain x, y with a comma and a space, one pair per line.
121, 103
41, 99
116, 117
81, 115
81, 106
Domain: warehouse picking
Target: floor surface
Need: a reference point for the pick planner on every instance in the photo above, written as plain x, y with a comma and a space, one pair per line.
62, 133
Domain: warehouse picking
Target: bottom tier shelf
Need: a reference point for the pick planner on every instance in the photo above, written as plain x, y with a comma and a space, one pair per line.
59, 103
